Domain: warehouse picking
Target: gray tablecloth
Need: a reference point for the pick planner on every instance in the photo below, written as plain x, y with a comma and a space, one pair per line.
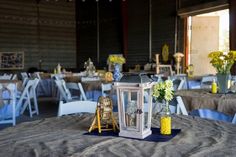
65, 137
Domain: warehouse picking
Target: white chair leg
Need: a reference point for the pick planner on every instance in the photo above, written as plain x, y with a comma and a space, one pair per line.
234, 119
14, 113
35, 103
181, 106
24, 107
29, 105
82, 91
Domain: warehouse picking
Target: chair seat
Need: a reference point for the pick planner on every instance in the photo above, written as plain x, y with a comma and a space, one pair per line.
211, 114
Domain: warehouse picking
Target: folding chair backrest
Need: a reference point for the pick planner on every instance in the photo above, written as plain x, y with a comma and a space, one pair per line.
207, 80
77, 86
14, 77
24, 75
65, 94
76, 107
180, 106
213, 115
106, 88
6, 76
234, 119
33, 88
25, 78
157, 77
83, 96
26, 92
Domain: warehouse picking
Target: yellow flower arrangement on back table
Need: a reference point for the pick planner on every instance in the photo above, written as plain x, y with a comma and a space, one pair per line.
163, 91
223, 62
117, 61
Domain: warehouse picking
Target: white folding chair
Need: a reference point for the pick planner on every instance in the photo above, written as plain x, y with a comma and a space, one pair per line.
24, 77
179, 82
29, 93
14, 77
213, 115
10, 99
77, 86
42, 89
180, 106
207, 80
234, 119
65, 94
82, 93
6, 76
76, 107
106, 88
157, 77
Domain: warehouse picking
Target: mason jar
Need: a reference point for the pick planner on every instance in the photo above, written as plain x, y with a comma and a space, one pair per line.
165, 120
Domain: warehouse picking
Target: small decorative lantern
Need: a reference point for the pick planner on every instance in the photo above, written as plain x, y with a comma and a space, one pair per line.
134, 94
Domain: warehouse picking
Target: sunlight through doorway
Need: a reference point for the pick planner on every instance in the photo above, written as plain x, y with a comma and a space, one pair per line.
206, 33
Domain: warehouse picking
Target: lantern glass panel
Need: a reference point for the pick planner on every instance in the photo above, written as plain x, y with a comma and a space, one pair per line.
130, 107
146, 104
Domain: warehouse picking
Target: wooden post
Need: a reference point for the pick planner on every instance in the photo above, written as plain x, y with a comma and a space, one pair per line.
157, 64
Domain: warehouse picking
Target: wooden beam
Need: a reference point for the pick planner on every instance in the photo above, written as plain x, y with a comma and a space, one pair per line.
124, 16
232, 33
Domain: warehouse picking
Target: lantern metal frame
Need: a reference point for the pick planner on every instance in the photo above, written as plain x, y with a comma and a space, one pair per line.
142, 129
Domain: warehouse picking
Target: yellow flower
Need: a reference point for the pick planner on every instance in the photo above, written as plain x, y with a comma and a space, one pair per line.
222, 61
163, 90
115, 59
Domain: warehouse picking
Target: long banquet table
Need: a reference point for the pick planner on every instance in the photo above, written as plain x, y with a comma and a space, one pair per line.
64, 136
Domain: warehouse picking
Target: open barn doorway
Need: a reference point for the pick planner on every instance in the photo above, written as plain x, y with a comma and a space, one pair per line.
206, 33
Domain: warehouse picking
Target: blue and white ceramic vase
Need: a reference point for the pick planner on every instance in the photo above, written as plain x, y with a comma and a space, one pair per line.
116, 73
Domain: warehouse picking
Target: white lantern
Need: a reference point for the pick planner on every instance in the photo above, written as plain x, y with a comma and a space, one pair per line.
134, 94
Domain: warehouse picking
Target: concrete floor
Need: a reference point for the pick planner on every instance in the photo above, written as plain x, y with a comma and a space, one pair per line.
48, 107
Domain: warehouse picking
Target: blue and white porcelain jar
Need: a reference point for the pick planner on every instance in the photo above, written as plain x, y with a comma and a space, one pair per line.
116, 73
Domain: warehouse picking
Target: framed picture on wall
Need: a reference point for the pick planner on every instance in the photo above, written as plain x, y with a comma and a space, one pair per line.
11, 60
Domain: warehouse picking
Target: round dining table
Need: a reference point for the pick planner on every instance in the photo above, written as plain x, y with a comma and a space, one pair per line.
67, 136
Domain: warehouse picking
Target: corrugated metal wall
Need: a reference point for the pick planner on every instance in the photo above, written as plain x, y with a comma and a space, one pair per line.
44, 31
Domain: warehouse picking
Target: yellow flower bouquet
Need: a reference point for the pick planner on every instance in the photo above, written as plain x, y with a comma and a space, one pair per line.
222, 61
163, 91
116, 59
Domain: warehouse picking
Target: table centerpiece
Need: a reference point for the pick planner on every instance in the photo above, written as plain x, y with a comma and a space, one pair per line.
163, 92
117, 61
223, 62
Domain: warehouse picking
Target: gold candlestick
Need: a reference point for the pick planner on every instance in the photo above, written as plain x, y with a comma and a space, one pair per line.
157, 64
178, 56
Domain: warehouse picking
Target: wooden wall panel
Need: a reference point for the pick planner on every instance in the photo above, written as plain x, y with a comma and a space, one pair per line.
138, 32
190, 3
87, 32
110, 30
163, 19
44, 31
